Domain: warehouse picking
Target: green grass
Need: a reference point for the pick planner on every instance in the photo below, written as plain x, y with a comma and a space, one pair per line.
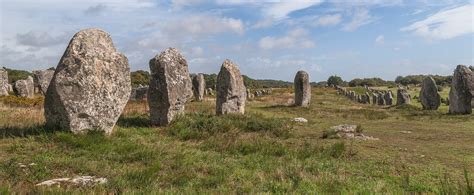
261, 151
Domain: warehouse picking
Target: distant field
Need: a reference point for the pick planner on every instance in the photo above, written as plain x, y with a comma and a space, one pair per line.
418, 151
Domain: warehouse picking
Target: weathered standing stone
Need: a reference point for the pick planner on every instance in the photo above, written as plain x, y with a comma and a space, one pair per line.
367, 98
429, 96
249, 95
302, 89
230, 90
199, 85
403, 97
24, 88
388, 98
209, 91
170, 86
140, 93
374, 98
462, 91
3, 82
90, 86
381, 99
42, 79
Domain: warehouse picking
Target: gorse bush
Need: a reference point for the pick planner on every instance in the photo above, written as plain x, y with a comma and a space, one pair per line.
200, 125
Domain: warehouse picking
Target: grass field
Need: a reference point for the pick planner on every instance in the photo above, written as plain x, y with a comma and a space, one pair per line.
262, 151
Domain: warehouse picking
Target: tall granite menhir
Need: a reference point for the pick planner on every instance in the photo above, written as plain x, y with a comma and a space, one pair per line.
231, 93
90, 86
462, 91
170, 86
3, 82
302, 89
429, 96
199, 85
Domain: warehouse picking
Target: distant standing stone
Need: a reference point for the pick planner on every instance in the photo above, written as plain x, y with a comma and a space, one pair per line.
388, 98
429, 96
4, 88
170, 86
90, 87
374, 98
199, 85
403, 97
381, 99
302, 89
462, 91
43, 78
230, 90
24, 88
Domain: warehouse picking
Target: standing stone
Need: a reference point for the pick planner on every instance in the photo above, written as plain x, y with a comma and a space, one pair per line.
4, 88
209, 91
24, 88
388, 98
199, 85
381, 99
170, 86
402, 97
230, 90
367, 98
302, 89
90, 86
374, 98
42, 79
140, 93
462, 91
429, 96
249, 95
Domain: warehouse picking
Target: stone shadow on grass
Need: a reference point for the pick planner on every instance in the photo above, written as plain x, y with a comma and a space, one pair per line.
279, 106
134, 121
9, 132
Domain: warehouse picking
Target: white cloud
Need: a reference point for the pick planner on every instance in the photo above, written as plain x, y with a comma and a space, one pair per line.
360, 18
204, 24
328, 20
380, 40
445, 24
281, 9
297, 38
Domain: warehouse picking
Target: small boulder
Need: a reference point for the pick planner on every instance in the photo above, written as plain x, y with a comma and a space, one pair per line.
24, 88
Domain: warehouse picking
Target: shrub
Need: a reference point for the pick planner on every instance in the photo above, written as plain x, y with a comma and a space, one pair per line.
201, 125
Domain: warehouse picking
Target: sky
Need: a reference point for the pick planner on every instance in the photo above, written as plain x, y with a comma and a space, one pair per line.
267, 39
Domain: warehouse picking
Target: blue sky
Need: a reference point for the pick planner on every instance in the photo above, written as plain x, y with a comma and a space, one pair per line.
267, 39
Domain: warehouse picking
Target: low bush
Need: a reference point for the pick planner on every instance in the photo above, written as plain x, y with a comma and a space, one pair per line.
201, 125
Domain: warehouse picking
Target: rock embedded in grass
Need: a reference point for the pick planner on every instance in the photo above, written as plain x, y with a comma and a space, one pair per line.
302, 89
230, 90
82, 181
24, 88
462, 91
429, 96
170, 86
90, 87
345, 131
199, 85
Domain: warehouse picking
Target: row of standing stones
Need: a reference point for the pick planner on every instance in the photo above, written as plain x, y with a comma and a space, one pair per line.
91, 86
461, 95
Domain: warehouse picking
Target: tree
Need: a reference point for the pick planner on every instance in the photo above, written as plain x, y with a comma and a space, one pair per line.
335, 80
140, 77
